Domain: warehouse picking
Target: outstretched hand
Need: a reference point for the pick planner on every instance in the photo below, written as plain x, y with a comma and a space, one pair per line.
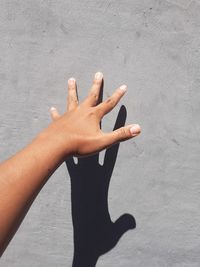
78, 131
94, 231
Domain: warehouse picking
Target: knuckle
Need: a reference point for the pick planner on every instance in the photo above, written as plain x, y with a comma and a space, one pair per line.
110, 101
91, 112
72, 99
97, 82
122, 132
94, 95
71, 87
99, 111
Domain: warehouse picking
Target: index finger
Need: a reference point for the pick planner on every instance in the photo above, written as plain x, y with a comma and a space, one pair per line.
106, 106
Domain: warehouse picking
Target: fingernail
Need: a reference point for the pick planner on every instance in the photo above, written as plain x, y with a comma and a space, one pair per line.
135, 129
71, 80
123, 88
98, 75
52, 109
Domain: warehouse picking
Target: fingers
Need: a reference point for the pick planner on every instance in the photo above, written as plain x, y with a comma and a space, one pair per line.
95, 90
54, 113
72, 98
121, 134
122, 225
111, 102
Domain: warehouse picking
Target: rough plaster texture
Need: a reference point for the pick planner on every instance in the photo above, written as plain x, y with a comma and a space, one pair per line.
154, 47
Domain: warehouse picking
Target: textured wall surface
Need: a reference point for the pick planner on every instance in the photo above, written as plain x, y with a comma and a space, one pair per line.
153, 46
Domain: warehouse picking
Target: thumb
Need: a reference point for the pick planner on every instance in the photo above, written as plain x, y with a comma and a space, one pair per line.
121, 134
123, 224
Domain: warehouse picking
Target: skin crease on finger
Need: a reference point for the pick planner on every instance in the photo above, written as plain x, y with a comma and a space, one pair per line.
75, 133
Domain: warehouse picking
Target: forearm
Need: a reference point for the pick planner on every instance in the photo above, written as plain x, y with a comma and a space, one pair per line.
76, 133
21, 178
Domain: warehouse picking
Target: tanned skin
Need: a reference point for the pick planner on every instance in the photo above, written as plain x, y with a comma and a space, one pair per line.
76, 133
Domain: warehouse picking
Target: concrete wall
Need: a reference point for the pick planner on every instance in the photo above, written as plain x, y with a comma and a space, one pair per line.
153, 46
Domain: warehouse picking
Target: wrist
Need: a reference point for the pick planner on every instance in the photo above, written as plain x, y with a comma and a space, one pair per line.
54, 144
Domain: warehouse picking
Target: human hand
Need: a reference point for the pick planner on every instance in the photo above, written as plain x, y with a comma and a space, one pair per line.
78, 131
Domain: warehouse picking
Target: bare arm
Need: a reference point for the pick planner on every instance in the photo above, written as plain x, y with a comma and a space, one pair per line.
76, 133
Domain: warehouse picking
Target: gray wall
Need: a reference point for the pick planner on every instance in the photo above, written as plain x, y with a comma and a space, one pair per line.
153, 46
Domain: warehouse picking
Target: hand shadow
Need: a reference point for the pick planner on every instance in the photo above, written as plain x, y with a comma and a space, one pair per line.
94, 232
